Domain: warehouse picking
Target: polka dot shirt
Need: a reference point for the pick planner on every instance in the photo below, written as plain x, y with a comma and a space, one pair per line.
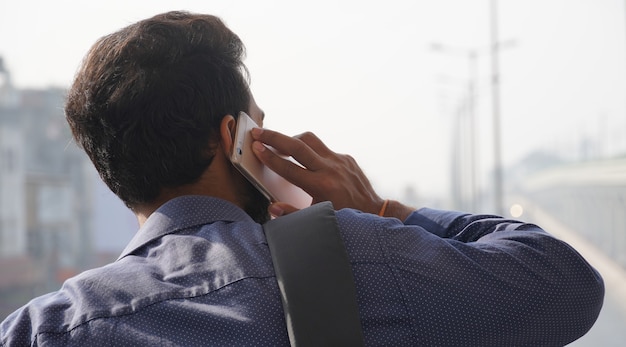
199, 273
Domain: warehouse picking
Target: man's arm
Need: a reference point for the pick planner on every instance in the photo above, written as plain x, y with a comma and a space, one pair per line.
487, 280
478, 278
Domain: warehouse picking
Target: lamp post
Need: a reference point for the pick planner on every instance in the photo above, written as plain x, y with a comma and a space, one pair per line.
471, 55
495, 99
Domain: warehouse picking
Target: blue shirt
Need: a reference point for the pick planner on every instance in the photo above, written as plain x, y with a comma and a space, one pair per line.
199, 272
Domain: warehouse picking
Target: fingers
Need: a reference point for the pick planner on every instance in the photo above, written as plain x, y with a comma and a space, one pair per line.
278, 209
314, 143
285, 168
304, 148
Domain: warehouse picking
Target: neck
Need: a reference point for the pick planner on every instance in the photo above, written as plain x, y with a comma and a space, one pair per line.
219, 180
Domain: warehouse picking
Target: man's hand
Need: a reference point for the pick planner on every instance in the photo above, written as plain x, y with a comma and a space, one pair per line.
324, 174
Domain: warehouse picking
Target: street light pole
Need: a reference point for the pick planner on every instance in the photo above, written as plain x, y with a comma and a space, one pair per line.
471, 104
495, 89
471, 55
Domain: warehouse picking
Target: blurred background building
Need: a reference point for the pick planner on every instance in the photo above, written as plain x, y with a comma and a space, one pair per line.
45, 196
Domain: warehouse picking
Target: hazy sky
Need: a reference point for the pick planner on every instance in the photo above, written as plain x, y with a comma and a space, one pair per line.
362, 75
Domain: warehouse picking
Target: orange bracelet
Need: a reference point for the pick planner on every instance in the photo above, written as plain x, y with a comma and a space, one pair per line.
384, 208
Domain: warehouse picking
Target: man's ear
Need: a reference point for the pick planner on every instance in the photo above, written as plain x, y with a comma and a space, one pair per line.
227, 133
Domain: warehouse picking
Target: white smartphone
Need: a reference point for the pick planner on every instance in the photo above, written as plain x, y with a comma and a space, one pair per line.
268, 182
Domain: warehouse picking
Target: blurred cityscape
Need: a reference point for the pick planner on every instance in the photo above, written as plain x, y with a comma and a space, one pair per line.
48, 196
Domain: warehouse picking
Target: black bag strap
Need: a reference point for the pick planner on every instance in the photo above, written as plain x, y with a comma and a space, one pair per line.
315, 278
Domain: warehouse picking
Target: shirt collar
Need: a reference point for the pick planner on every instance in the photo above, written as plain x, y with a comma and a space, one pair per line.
181, 213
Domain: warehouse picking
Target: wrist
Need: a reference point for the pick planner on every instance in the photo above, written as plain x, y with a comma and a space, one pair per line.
396, 209
383, 209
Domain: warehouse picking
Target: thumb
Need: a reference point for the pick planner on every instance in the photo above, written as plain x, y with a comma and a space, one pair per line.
278, 209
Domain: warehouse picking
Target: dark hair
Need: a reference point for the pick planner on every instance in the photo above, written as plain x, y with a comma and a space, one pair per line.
147, 103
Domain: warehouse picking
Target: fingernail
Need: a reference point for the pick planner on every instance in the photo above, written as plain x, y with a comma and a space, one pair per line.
258, 146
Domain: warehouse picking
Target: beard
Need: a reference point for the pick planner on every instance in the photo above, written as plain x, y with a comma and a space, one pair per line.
256, 204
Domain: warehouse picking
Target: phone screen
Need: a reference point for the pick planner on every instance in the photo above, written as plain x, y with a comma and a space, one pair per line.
268, 182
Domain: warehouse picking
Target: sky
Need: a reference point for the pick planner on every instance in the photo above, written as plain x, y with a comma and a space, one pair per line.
363, 76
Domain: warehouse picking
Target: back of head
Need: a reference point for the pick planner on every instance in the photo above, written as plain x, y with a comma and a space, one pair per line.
146, 104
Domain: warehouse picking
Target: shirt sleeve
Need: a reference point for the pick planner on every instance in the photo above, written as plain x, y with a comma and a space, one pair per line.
491, 279
461, 226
